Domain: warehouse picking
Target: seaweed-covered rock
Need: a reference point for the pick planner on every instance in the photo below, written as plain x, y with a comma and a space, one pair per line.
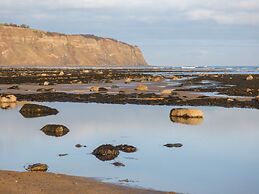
35, 110
106, 152
126, 148
55, 130
186, 113
37, 167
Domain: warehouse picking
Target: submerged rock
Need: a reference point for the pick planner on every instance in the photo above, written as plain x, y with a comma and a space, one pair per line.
141, 87
173, 145
37, 167
55, 130
187, 121
186, 113
62, 155
80, 145
102, 89
35, 110
118, 164
106, 152
126, 148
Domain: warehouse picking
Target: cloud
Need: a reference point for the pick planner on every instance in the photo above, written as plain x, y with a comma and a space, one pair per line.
219, 11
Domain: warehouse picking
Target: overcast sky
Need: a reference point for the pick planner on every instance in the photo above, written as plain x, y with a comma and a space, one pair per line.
169, 32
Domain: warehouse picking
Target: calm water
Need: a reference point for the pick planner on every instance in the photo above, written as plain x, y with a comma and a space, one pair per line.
218, 156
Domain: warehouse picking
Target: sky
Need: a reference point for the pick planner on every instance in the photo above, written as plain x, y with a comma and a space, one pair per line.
169, 32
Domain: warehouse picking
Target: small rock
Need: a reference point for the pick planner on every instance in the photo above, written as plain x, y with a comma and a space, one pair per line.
126, 148
141, 87
7, 98
157, 79
62, 155
249, 78
79, 146
46, 83
230, 100
127, 80
37, 167
248, 90
102, 89
61, 73
175, 78
35, 110
186, 113
257, 98
55, 130
94, 89
167, 91
106, 152
13, 87
118, 164
173, 145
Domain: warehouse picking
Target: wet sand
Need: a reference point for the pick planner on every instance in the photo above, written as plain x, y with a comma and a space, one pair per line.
50, 183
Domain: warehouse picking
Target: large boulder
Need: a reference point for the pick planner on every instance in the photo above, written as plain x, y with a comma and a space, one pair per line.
37, 167
106, 152
186, 113
126, 148
35, 110
55, 130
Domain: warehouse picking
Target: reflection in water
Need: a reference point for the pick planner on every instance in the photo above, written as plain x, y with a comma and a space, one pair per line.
212, 159
55, 130
11, 105
187, 121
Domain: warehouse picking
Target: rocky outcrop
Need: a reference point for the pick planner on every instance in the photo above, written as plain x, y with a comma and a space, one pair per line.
24, 46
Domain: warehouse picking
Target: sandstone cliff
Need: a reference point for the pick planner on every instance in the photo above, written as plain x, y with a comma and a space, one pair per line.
24, 46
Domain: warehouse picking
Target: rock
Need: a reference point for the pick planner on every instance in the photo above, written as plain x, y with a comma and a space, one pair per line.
7, 99
46, 90
37, 167
257, 98
186, 113
94, 89
126, 148
62, 155
127, 80
157, 79
16, 87
167, 91
230, 100
102, 89
106, 152
175, 78
61, 73
187, 121
79, 146
118, 164
55, 130
249, 78
35, 110
46, 83
174, 145
6, 106
248, 90
141, 87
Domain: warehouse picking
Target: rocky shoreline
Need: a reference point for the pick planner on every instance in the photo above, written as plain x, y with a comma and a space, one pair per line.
131, 86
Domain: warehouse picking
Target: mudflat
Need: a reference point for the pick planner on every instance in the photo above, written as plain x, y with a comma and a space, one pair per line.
50, 183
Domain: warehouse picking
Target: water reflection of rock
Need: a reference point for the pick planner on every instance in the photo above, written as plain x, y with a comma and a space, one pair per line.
187, 121
106, 152
6, 106
35, 110
55, 130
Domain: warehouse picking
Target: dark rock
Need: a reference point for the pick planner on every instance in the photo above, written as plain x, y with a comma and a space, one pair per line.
16, 87
126, 148
55, 130
103, 89
118, 164
61, 155
35, 110
79, 146
37, 167
175, 145
106, 152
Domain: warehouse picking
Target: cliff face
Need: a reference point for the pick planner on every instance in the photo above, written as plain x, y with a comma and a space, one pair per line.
23, 46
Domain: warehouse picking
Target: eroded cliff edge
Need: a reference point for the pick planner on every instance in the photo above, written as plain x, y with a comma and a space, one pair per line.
30, 47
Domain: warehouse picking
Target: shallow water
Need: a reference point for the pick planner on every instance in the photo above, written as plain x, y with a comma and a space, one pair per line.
218, 156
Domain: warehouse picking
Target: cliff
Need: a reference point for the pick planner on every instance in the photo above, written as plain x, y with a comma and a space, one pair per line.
25, 46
